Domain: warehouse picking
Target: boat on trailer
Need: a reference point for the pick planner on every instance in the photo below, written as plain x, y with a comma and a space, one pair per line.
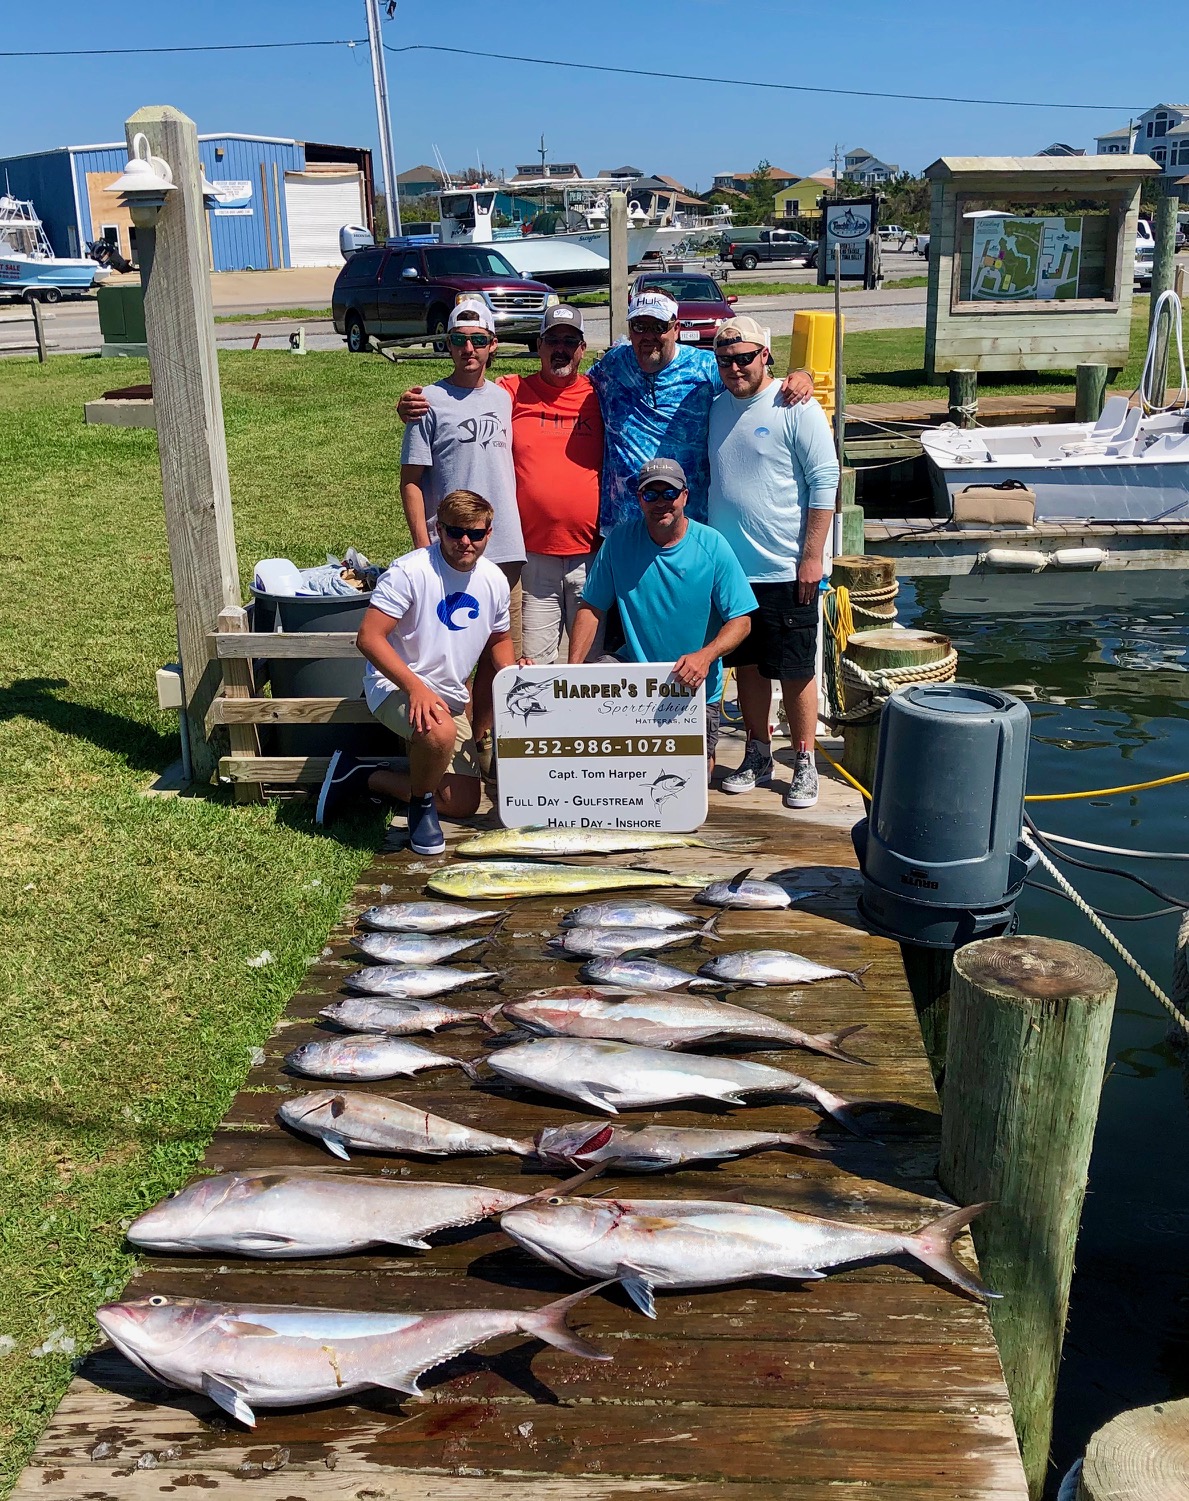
28, 266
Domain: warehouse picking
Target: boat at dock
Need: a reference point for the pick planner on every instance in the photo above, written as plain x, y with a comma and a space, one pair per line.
28, 266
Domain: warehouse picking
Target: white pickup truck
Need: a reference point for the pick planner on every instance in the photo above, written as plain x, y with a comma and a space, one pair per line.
1145, 253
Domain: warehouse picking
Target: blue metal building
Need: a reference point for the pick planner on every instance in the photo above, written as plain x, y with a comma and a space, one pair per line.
276, 202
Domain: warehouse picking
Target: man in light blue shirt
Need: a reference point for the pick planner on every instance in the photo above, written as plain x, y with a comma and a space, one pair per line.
773, 480
681, 593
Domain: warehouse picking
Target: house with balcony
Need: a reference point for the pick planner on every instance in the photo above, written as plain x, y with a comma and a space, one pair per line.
799, 199
860, 166
1162, 133
740, 182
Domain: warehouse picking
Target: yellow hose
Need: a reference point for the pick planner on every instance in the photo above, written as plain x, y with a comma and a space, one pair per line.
1061, 797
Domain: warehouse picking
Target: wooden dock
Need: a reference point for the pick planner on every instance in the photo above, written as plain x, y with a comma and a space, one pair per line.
880, 1382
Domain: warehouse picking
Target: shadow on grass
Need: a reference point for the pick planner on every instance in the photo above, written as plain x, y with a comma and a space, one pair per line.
137, 743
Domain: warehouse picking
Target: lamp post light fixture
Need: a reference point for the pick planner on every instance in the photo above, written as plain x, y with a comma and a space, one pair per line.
144, 184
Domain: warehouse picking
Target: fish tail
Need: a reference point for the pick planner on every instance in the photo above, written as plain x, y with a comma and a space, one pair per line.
488, 1017
841, 1110
800, 1141
570, 1185
830, 1043
549, 1324
493, 932
857, 976
709, 928
934, 1245
520, 1147
468, 1069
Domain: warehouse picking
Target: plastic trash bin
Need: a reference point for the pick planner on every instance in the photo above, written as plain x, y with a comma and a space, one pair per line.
312, 677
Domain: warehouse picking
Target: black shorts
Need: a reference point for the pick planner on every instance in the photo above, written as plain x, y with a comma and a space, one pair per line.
783, 638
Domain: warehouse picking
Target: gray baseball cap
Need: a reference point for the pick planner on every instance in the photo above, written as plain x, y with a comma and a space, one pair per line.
667, 470
562, 316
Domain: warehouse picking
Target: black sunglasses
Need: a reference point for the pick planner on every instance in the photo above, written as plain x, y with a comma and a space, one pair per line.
478, 341
660, 492
473, 534
740, 361
562, 341
649, 326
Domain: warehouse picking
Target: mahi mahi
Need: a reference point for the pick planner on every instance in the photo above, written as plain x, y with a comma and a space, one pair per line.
361, 1055
289, 1212
373, 1123
611, 1075
246, 1355
543, 841
671, 1243
415, 981
600, 942
774, 967
421, 917
362, 1013
488, 878
667, 1022
652, 1149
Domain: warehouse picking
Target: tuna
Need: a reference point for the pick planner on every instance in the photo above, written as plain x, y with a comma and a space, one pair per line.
248, 1355
422, 917
643, 974
756, 896
372, 1123
651, 1149
414, 981
412, 948
489, 878
628, 914
600, 942
774, 967
366, 1056
677, 1243
361, 1013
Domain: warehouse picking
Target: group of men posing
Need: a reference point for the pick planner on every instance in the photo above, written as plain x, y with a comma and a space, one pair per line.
674, 503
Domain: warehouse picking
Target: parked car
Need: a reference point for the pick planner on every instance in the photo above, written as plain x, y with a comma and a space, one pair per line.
701, 303
1145, 253
923, 246
745, 254
893, 233
399, 290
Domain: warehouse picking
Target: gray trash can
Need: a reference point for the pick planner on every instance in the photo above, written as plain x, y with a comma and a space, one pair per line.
313, 677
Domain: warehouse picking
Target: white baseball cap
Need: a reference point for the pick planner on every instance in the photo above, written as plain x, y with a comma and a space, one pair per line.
471, 310
651, 302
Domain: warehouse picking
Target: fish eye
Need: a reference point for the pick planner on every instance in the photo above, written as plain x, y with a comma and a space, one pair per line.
173, 1193
157, 1301
557, 1199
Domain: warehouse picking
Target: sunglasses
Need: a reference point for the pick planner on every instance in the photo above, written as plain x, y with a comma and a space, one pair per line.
477, 341
565, 342
740, 361
472, 534
648, 326
661, 492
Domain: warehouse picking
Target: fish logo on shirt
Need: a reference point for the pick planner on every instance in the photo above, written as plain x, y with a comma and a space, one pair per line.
666, 786
523, 698
449, 607
483, 430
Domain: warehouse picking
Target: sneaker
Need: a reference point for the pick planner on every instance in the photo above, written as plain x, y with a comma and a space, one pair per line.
802, 792
756, 767
425, 832
345, 778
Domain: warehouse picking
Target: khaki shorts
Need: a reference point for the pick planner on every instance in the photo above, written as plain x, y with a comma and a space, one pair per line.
393, 713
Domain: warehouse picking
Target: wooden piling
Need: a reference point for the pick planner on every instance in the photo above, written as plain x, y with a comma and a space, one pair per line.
1163, 265
1141, 1455
963, 386
1091, 393
1029, 1028
876, 651
617, 248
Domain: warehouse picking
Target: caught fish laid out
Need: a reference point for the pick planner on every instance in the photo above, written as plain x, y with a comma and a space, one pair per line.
652, 1149
672, 1243
361, 1055
422, 917
747, 895
415, 980
488, 878
611, 1076
594, 943
543, 841
362, 1013
412, 948
288, 1212
644, 974
342, 1119
249, 1355
667, 1022
774, 967
628, 914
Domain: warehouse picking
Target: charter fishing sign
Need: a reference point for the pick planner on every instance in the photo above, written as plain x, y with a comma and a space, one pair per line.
612, 745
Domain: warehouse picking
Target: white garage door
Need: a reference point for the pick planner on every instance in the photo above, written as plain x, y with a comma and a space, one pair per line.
317, 206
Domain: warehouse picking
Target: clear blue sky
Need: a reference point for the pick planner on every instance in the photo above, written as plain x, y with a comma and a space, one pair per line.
1116, 56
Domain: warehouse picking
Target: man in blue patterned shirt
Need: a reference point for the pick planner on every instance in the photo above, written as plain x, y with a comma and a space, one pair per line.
655, 396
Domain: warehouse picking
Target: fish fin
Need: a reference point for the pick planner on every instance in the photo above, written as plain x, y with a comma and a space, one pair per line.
406, 1384
468, 1069
638, 1287
841, 1110
737, 880
801, 1274
589, 1097
857, 976
830, 1043
934, 1245
413, 1245
709, 928
262, 1240
488, 1017
570, 1185
549, 1324
336, 1145
230, 1396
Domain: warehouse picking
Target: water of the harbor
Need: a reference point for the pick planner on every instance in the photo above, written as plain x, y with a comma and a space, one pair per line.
1103, 662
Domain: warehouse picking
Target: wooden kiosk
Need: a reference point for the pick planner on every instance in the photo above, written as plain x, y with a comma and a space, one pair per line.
1031, 261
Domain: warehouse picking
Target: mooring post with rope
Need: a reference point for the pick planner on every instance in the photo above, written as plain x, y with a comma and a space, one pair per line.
1029, 1034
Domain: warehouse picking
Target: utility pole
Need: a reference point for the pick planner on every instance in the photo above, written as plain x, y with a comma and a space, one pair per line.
837, 153
541, 153
383, 121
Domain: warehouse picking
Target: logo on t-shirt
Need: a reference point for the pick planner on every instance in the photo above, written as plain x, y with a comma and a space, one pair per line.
761, 432
452, 604
483, 430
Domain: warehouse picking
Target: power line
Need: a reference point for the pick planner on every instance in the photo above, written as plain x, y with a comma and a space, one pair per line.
199, 47
751, 83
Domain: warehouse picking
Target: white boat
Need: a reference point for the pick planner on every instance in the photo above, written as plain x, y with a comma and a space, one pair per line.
28, 266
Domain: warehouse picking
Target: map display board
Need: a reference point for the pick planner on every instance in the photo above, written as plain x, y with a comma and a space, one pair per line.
609, 745
1025, 260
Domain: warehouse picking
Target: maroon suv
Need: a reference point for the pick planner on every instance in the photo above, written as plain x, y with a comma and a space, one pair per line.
401, 289
701, 303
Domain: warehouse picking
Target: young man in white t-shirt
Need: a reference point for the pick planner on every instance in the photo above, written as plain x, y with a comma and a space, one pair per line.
433, 614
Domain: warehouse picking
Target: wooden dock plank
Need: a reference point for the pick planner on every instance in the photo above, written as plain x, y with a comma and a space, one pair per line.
879, 1381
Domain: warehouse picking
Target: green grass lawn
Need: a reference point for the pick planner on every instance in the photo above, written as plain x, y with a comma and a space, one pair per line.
131, 1008
275, 314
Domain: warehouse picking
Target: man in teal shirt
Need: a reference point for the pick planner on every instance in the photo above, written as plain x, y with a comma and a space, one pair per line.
680, 590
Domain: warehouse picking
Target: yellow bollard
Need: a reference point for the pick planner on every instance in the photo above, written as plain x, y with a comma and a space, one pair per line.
812, 349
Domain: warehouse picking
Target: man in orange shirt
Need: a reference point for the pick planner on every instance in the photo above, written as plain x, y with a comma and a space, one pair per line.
557, 452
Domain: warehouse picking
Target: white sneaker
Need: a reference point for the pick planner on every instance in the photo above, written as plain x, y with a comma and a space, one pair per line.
756, 767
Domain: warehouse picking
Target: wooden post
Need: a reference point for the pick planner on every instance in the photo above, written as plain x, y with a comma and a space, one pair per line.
617, 244
1178, 282
1163, 265
963, 386
1029, 1029
873, 651
238, 684
265, 212
1091, 393
865, 573
179, 328
1139, 1456
38, 329
854, 538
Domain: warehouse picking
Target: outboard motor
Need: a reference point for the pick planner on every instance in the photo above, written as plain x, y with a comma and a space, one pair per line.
941, 852
353, 237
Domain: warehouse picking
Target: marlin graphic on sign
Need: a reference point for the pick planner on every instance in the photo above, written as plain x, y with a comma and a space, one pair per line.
666, 786
524, 698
